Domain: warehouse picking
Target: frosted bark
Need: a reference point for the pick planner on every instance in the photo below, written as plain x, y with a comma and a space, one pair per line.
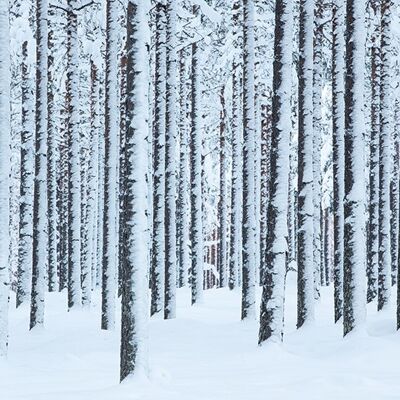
134, 325
5, 134
385, 161
354, 205
74, 169
305, 277
196, 225
158, 249
24, 272
170, 163
249, 131
272, 301
109, 267
338, 150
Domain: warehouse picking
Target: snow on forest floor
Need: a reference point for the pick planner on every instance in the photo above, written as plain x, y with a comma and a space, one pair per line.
206, 353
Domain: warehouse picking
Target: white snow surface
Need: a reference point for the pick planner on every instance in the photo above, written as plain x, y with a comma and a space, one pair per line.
206, 353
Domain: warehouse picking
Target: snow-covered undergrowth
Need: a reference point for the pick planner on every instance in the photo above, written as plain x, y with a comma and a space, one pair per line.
206, 353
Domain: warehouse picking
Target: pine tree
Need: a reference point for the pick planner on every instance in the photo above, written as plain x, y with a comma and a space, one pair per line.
305, 277
74, 171
134, 319
196, 224
354, 225
272, 301
24, 272
158, 255
170, 165
248, 223
237, 132
5, 135
40, 186
338, 48
109, 268
385, 167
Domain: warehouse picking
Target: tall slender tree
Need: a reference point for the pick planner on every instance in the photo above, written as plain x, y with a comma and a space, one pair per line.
5, 135
305, 277
40, 185
134, 324
385, 166
272, 301
354, 204
158, 247
170, 165
109, 268
248, 224
338, 65
24, 273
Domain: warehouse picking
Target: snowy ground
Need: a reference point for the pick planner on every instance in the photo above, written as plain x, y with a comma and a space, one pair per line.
205, 354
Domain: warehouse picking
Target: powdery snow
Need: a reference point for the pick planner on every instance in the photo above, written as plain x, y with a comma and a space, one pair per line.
206, 353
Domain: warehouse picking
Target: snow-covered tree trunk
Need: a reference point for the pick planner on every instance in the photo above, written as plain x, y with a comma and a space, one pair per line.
249, 130
338, 64
184, 196
39, 244
305, 277
51, 170
373, 220
5, 135
170, 162
222, 205
385, 165
158, 256
109, 267
317, 123
24, 273
134, 324
93, 183
272, 301
74, 168
394, 193
354, 204
196, 224
237, 132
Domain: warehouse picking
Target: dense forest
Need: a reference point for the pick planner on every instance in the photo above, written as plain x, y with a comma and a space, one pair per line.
155, 147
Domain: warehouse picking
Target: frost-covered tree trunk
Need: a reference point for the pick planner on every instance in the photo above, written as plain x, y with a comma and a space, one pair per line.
93, 183
196, 224
305, 277
51, 171
24, 273
354, 204
272, 301
385, 165
158, 256
184, 196
249, 130
134, 324
5, 135
235, 253
317, 123
62, 203
74, 169
39, 244
170, 162
373, 221
394, 194
109, 267
338, 65
222, 205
